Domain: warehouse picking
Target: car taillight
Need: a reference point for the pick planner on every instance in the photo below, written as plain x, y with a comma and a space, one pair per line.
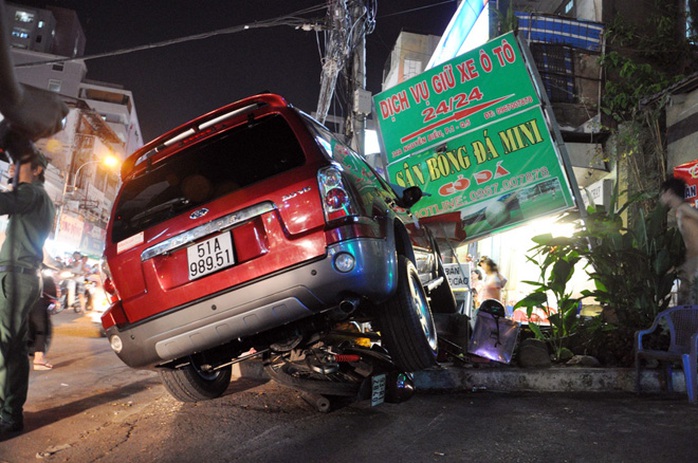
109, 287
108, 284
114, 316
336, 199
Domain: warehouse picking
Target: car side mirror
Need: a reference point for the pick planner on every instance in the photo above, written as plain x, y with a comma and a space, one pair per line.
410, 196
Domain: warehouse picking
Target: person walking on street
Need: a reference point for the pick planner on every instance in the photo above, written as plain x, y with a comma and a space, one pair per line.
33, 113
76, 286
40, 326
672, 195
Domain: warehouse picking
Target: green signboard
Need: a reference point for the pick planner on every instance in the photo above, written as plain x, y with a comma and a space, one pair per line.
471, 133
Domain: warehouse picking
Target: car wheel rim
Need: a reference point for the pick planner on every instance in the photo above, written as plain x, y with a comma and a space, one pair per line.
209, 375
419, 302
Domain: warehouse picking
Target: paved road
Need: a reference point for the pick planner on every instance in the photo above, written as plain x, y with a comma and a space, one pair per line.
91, 408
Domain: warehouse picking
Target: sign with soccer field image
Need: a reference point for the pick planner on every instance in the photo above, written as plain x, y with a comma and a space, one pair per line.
471, 133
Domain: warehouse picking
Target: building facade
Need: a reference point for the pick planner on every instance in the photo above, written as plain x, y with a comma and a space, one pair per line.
567, 40
102, 124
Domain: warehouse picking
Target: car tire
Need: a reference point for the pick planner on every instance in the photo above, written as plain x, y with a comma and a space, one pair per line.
407, 325
442, 298
191, 384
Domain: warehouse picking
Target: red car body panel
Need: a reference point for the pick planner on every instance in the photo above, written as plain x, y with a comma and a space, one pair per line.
282, 264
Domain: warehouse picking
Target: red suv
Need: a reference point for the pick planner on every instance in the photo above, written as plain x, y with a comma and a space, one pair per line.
252, 230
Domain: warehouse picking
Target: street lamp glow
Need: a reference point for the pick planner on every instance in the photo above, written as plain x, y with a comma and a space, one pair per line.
110, 161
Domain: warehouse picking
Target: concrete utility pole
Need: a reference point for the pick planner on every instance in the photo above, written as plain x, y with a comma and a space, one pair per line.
335, 55
356, 120
349, 22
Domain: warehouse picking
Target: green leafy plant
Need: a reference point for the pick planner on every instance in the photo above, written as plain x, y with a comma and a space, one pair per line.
643, 58
632, 267
556, 259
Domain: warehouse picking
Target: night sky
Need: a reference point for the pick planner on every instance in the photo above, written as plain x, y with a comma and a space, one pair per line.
174, 84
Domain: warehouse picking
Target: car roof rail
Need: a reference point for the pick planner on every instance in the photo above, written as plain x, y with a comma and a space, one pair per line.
199, 126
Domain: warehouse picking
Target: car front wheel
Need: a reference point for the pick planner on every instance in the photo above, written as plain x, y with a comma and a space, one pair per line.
194, 383
407, 324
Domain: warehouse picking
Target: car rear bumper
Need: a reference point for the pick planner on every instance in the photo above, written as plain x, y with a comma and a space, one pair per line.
245, 311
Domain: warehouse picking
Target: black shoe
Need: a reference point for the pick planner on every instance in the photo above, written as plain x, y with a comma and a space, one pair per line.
10, 429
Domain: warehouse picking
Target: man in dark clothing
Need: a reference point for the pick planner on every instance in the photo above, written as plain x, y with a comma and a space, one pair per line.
31, 217
33, 113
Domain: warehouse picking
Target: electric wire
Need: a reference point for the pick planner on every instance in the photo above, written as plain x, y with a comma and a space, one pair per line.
293, 20
412, 10
336, 51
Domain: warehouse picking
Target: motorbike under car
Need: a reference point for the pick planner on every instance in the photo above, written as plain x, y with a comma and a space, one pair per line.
331, 369
331, 377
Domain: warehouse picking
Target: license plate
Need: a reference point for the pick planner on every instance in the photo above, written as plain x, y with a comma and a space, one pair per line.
210, 255
378, 383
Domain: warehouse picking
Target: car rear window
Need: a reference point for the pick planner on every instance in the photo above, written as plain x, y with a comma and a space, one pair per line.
205, 171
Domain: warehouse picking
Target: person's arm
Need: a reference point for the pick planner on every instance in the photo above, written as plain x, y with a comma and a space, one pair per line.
34, 112
19, 202
687, 210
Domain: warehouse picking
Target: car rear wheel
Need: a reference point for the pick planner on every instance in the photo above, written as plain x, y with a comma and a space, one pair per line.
192, 383
407, 325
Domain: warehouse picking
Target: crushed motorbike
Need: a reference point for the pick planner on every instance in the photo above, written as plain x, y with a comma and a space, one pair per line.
331, 368
333, 375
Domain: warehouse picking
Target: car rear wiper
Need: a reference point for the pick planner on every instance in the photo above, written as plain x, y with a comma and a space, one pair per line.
169, 206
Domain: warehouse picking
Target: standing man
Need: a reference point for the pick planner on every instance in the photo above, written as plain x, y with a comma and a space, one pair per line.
34, 113
31, 218
672, 195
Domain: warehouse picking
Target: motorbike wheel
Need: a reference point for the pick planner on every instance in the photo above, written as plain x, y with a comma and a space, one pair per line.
191, 383
442, 298
407, 325
298, 375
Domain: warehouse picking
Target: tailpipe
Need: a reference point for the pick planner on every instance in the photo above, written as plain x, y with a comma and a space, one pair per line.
349, 305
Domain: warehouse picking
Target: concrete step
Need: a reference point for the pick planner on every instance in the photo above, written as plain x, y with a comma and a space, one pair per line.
554, 379
504, 378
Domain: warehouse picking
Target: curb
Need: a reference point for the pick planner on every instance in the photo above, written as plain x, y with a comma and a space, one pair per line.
555, 379
449, 377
